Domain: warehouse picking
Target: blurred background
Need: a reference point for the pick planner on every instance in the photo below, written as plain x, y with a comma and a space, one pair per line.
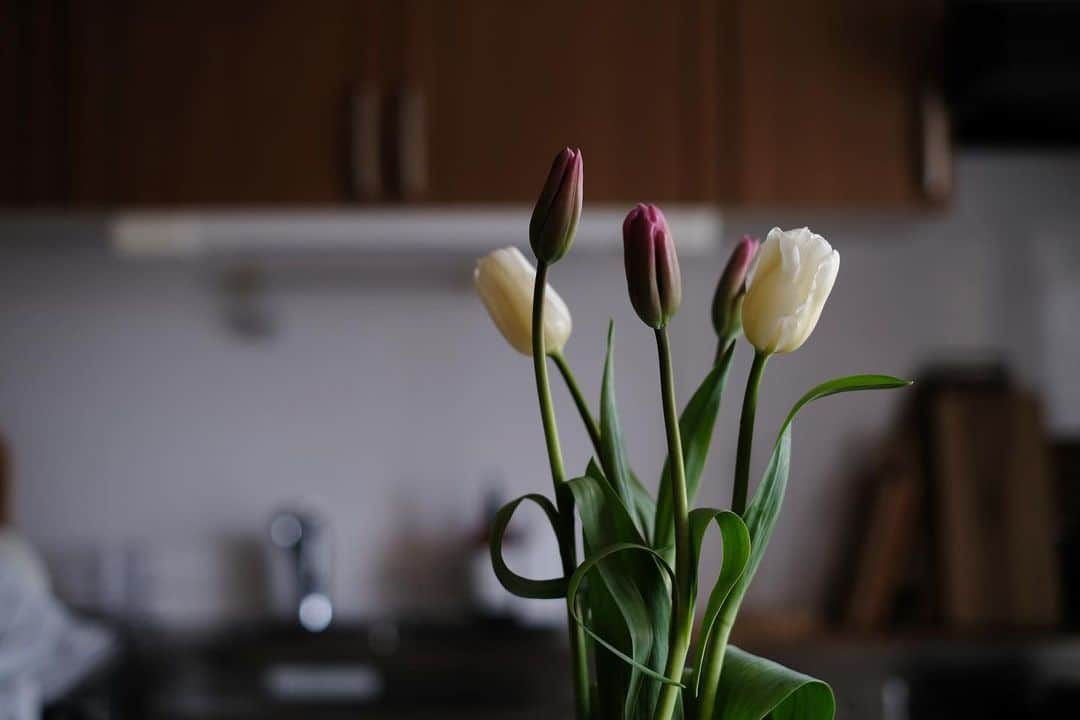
254, 421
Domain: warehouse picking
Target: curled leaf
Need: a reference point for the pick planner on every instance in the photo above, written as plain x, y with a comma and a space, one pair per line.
514, 583
628, 595
752, 688
736, 545
575, 586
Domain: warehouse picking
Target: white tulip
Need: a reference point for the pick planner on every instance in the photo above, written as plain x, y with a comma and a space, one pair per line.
786, 288
504, 280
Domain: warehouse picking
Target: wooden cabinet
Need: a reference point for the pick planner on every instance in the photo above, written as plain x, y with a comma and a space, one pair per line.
834, 104
34, 112
632, 84
212, 102
281, 103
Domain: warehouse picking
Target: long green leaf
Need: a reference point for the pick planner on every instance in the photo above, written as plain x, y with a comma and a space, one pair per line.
849, 383
764, 509
612, 676
643, 507
575, 585
736, 547
696, 428
752, 688
637, 587
516, 584
612, 450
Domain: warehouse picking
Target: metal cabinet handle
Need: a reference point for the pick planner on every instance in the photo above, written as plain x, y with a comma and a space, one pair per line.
412, 154
936, 145
365, 157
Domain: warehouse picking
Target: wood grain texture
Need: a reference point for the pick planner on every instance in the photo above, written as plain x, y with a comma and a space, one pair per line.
745, 102
205, 102
10, 101
631, 84
1030, 529
826, 101
884, 555
248, 102
995, 504
34, 132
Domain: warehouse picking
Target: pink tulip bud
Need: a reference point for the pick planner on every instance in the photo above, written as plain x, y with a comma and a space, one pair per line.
652, 268
727, 302
558, 209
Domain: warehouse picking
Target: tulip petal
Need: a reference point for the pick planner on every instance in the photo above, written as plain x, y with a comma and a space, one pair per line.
652, 267
787, 287
558, 208
504, 280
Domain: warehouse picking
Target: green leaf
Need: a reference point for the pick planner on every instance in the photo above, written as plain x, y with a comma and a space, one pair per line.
612, 450
764, 509
696, 428
516, 584
643, 507
636, 620
736, 546
850, 383
752, 687
575, 585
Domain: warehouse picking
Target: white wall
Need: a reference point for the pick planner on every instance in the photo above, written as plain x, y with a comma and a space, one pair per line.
139, 420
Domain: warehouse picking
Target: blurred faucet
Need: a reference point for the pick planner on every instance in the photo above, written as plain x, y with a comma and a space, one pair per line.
302, 563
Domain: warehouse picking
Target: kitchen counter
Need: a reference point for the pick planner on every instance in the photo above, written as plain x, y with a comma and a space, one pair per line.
381, 670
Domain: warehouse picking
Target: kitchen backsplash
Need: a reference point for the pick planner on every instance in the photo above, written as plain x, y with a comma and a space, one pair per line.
161, 411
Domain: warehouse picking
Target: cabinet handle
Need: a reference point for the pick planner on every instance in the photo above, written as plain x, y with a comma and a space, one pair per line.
412, 152
365, 161
936, 145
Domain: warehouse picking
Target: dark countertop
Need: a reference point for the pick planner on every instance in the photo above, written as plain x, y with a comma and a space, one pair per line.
384, 670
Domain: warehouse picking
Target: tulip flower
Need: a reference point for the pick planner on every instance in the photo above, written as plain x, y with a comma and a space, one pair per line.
558, 209
652, 267
786, 289
504, 280
728, 300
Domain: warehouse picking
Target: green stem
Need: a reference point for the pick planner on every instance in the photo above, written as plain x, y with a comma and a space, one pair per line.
713, 661
579, 400
711, 667
746, 433
682, 613
721, 349
564, 499
543, 387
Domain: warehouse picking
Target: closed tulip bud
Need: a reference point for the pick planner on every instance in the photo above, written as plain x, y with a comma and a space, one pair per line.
652, 268
728, 300
786, 289
505, 281
558, 209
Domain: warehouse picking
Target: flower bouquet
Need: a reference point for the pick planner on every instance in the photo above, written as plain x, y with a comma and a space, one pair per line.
632, 596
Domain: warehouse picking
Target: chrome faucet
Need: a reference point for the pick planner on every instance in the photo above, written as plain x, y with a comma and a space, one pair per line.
301, 540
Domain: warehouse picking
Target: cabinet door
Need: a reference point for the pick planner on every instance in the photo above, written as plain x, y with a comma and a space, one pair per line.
829, 104
209, 102
504, 85
34, 162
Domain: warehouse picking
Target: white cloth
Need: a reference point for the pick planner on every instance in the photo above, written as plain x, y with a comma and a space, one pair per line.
44, 651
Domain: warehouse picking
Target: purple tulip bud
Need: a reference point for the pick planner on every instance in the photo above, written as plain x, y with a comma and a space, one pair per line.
727, 302
558, 209
652, 268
